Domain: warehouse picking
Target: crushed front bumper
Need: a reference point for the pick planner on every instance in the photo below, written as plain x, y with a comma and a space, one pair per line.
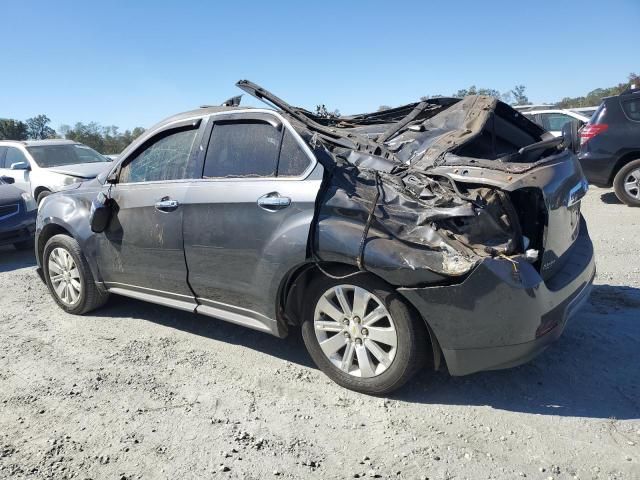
504, 314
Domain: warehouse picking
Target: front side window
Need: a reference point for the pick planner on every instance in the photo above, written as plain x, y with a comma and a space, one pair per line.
247, 149
14, 155
3, 151
168, 158
60, 155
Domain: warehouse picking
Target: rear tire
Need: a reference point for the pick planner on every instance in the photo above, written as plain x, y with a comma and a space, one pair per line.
356, 364
626, 184
68, 276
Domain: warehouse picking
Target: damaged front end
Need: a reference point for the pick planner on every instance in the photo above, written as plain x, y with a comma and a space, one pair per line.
421, 194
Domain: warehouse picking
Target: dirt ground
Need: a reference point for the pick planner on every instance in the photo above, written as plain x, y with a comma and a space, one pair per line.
141, 391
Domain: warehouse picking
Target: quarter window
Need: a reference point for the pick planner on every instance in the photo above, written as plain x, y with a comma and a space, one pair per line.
168, 158
632, 109
293, 159
242, 150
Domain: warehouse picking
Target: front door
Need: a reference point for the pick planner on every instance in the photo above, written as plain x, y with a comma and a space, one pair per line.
14, 155
246, 222
142, 249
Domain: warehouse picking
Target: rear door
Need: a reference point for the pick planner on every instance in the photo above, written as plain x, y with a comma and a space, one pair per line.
246, 222
142, 249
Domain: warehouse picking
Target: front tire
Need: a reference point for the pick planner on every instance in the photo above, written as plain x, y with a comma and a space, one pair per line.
68, 276
42, 195
362, 334
627, 184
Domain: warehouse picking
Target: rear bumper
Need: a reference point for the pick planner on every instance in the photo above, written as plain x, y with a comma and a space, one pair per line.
597, 168
18, 228
498, 318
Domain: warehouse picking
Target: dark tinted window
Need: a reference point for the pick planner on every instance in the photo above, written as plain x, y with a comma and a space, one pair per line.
60, 155
293, 160
598, 116
14, 155
3, 150
632, 109
168, 158
242, 150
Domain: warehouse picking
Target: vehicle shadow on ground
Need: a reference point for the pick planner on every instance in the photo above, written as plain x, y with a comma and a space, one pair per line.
591, 371
610, 198
12, 259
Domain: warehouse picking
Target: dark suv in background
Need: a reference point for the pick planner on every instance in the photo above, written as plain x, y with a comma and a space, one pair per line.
610, 146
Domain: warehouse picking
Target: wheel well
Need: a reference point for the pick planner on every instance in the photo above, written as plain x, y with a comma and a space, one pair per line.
622, 161
292, 299
47, 232
39, 190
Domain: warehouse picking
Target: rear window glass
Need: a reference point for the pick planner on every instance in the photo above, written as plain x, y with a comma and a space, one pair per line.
632, 109
242, 150
598, 116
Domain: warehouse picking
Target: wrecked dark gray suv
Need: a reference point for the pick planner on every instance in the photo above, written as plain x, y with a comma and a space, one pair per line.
447, 231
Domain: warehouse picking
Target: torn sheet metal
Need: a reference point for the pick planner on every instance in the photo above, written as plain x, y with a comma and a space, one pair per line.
383, 209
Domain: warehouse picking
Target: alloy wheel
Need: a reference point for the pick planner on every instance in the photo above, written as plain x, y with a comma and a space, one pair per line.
64, 276
632, 183
355, 331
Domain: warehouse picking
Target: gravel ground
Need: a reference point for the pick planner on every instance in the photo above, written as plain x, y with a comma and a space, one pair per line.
141, 391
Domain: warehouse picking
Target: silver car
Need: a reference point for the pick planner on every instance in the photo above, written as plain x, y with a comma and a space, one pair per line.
40, 167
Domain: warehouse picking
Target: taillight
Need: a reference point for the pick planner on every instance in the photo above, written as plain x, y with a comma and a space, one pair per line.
589, 131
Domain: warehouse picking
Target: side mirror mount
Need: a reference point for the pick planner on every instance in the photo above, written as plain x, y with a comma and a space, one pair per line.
8, 180
101, 212
112, 178
20, 166
570, 136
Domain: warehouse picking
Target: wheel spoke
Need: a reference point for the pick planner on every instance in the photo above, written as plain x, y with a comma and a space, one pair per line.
54, 267
364, 362
342, 300
376, 351
73, 293
333, 344
75, 284
378, 313
386, 335
360, 300
347, 359
59, 288
328, 326
328, 309
74, 273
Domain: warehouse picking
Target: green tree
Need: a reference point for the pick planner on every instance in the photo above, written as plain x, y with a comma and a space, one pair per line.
594, 97
107, 140
519, 97
38, 128
13, 129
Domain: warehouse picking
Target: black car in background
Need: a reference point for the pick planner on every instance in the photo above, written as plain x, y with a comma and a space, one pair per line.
18, 212
610, 146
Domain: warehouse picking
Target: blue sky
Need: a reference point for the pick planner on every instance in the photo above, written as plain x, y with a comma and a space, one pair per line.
132, 63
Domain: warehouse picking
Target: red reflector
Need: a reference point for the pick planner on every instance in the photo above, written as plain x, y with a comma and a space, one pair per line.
589, 131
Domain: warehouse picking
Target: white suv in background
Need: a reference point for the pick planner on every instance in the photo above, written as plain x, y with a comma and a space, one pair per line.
553, 119
44, 166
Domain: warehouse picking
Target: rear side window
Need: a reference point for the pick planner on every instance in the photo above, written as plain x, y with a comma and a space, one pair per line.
242, 149
632, 109
555, 121
293, 159
167, 158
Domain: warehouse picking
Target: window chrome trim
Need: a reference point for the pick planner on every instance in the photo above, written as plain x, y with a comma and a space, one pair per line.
212, 117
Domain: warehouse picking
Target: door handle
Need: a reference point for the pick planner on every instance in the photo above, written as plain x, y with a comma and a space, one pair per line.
166, 205
273, 201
